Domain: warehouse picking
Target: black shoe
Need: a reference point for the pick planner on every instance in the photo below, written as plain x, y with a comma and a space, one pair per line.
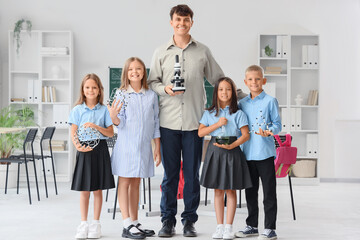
127, 234
189, 229
168, 229
146, 232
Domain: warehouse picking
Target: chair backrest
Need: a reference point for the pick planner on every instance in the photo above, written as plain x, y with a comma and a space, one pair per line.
30, 136
48, 133
282, 138
111, 141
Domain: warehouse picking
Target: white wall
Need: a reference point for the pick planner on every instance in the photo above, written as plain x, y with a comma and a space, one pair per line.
107, 32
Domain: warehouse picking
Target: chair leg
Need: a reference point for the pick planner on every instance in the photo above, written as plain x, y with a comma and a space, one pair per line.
144, 190
7, 174
149, 194
240, 198
116, 193
27, 179
107, 195
292, 198
206, 192
44, 172
18, 179
53, 170
36, 181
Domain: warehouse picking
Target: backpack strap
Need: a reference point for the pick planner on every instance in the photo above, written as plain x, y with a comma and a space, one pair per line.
278, 140
287, 142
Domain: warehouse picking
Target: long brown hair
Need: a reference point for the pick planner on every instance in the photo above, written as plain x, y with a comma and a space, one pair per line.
215, 101
125, 82
82, 97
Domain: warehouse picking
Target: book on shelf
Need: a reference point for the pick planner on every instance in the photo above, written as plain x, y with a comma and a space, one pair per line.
313, 97
58, 145
273, 70
17, 99
48, 94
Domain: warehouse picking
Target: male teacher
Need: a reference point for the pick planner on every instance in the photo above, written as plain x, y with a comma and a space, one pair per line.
180, 112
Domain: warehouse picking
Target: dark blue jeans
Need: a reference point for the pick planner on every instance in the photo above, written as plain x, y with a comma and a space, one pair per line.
173, 143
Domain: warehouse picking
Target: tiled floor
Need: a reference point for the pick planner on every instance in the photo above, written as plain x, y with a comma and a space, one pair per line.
327, 211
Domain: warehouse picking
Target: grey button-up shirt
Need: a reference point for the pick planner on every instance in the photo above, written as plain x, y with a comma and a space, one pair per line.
183, 112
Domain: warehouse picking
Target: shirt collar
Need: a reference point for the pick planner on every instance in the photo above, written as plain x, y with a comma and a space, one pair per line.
260, 96
172, 43
97, 106
131, 90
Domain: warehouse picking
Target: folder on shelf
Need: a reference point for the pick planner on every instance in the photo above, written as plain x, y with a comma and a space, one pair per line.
292, 119
61, 115
37, 91
304, 56
316, 56
278, 46
285, 46
312, 145
298, 119
53, 91
284, 119
30, 90
310, 56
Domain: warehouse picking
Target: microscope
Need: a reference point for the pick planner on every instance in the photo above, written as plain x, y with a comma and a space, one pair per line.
178, 82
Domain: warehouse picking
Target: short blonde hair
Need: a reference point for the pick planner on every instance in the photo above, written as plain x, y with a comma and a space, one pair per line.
255, 68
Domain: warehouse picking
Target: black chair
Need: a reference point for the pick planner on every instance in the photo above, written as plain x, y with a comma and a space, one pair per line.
283, 138
29, 139
47, 135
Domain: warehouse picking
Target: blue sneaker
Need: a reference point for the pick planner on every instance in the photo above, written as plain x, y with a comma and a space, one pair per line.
268, 234
249, 231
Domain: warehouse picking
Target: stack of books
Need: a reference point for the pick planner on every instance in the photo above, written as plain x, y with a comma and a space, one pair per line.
313, 97
54, 51
58, 145
48, 94
273, 70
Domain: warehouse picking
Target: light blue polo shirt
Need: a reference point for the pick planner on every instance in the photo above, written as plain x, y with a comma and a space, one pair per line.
99, 115
263, 112
232, 128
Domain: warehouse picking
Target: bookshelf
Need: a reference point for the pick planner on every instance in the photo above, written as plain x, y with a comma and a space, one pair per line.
289, 77
45, 61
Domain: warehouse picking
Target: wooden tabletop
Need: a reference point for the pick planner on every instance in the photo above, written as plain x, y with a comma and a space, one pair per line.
10, 130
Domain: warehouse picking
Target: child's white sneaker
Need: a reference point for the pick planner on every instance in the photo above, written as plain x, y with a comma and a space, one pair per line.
94, 230
228, 233
218, 234
82, 231
268, 234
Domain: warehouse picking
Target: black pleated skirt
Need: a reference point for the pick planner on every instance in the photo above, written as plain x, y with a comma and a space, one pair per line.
225, 169
93, 169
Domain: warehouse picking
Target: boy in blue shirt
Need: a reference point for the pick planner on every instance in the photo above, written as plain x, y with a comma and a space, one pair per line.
262, 111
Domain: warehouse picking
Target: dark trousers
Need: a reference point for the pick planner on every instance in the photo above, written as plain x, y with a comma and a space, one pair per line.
265, 170
173, 143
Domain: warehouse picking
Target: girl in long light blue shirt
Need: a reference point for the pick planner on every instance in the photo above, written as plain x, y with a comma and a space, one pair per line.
136, 115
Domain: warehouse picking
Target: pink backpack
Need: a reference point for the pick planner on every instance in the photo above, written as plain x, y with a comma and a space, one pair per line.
285, 156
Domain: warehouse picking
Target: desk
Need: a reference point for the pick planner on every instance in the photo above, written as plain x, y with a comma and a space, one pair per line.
4, 130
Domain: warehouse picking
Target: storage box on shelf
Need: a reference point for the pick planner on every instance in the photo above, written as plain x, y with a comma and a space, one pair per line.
292, 70
41, 77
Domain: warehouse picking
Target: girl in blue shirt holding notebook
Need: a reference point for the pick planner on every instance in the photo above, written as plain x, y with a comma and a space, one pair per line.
225, 168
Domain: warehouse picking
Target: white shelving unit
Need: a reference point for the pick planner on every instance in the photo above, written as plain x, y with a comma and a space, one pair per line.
300, 120
47, 58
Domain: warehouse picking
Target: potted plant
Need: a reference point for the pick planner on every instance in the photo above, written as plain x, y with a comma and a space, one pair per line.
21, 24
268, 51
9, 142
